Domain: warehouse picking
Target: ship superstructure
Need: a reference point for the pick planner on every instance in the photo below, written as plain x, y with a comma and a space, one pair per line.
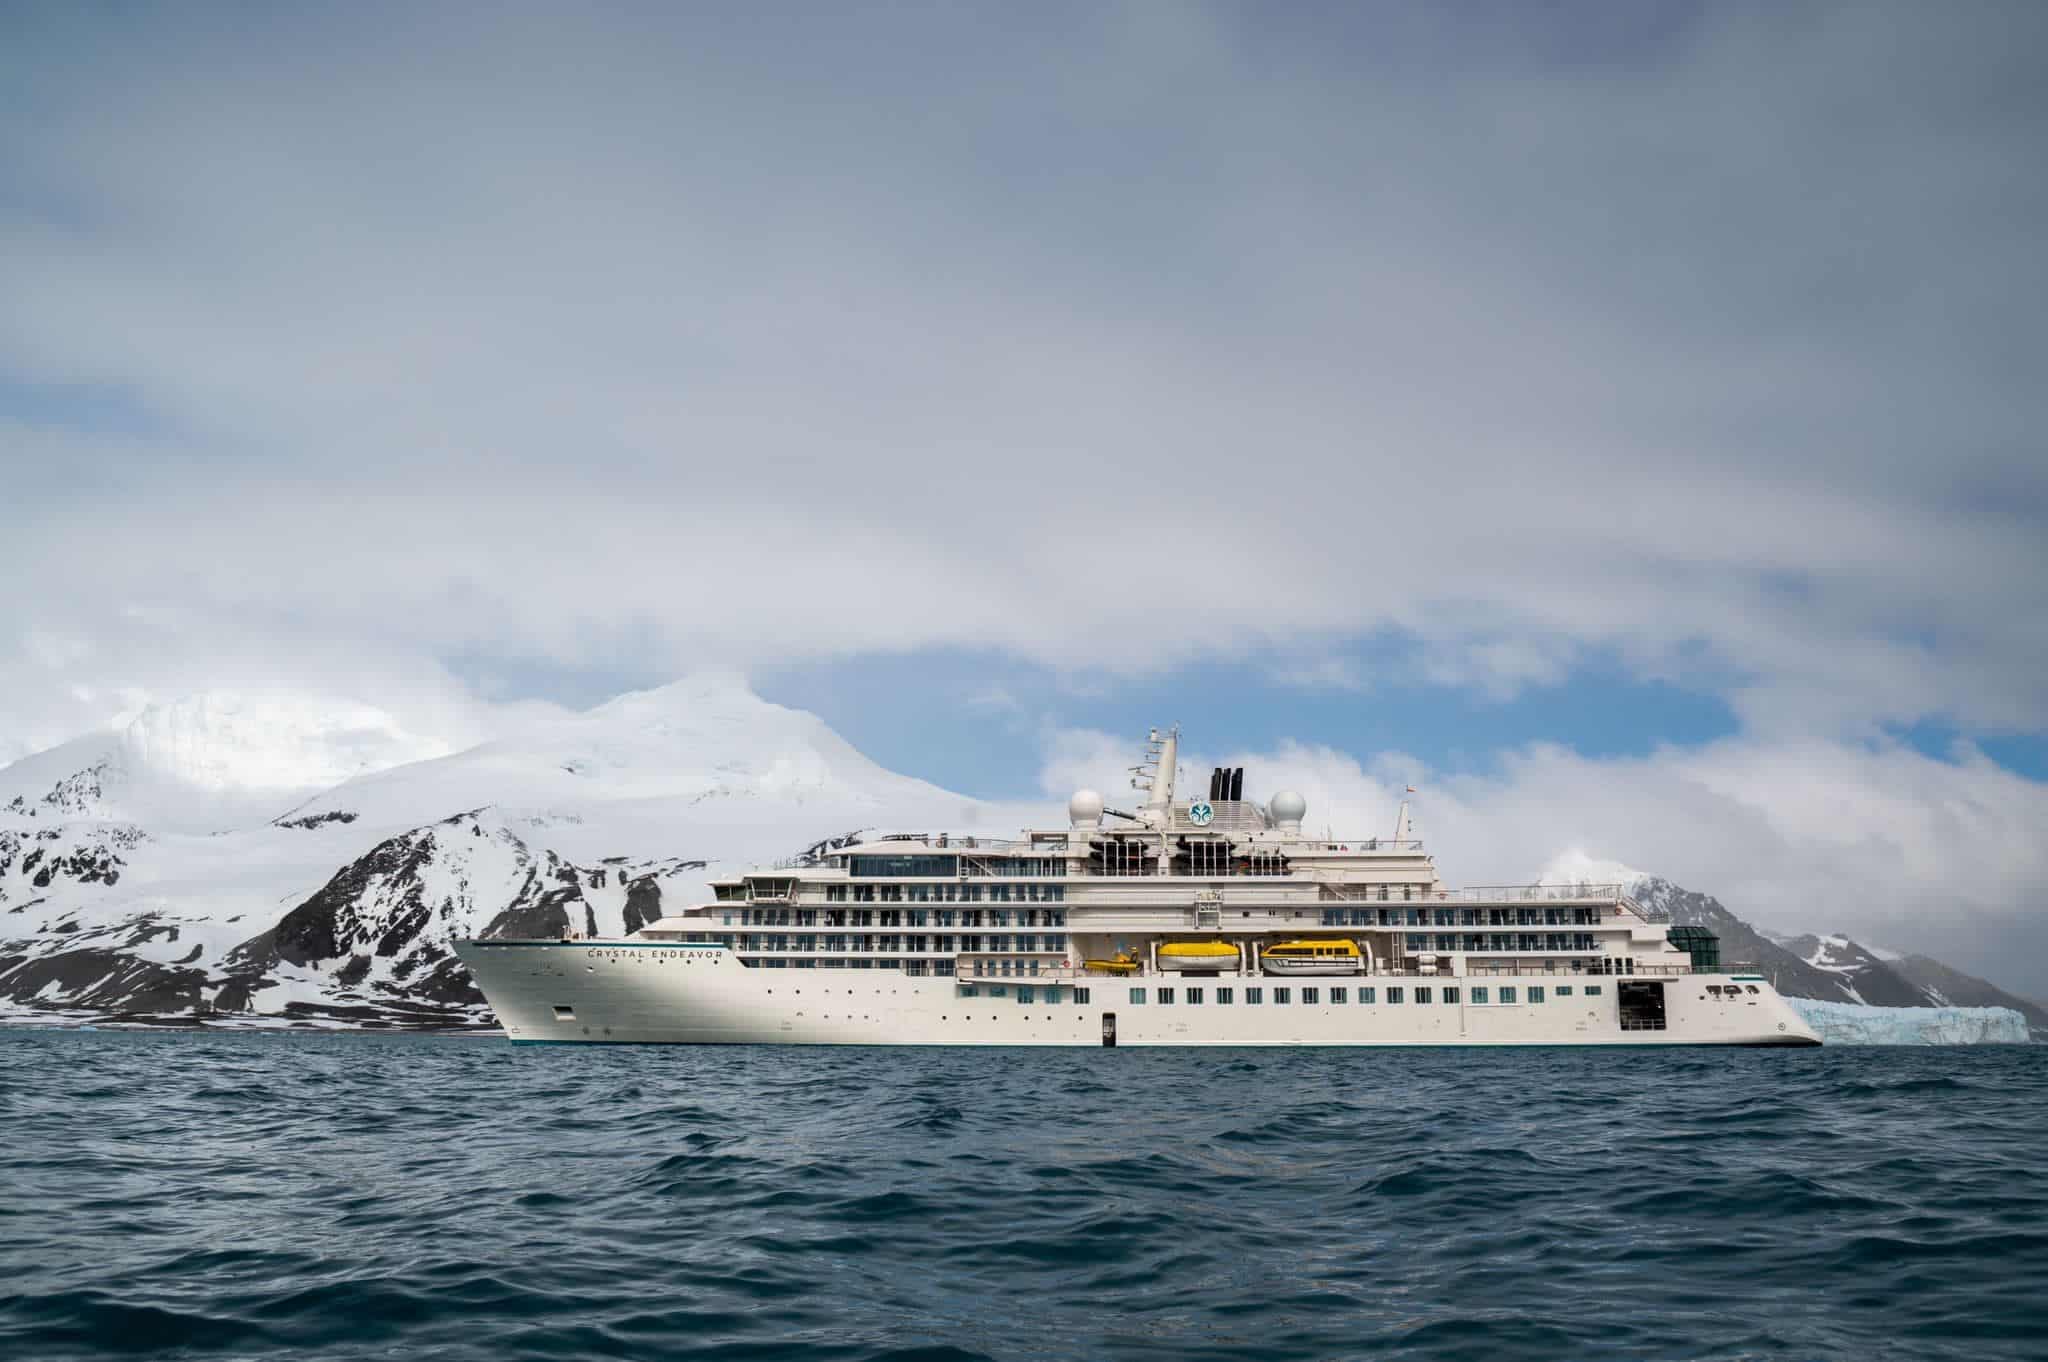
1210, 920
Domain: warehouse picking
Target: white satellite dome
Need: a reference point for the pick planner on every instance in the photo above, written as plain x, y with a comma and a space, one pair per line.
1084, 810
1288, 808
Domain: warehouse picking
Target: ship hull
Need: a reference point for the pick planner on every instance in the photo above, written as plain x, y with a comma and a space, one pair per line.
636, 992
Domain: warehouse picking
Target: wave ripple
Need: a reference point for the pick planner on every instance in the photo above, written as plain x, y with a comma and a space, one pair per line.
282, 1196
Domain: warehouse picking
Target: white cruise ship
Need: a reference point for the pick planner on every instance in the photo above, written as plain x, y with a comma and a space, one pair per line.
1212, 920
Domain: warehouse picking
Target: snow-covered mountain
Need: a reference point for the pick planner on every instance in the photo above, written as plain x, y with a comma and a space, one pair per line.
282, 857
134, 878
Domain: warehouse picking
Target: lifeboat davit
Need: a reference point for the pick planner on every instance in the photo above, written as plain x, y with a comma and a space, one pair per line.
1199, 957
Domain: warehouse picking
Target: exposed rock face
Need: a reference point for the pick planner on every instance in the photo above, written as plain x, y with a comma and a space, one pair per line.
380, 931
1951, 987
1850, 975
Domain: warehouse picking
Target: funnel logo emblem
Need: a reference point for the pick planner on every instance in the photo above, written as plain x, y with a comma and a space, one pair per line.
1199, 813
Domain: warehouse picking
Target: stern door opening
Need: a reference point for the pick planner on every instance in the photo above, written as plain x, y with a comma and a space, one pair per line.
1642, 1005
1109, 1030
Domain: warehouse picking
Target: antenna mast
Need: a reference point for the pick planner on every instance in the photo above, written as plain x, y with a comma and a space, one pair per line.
1155, 775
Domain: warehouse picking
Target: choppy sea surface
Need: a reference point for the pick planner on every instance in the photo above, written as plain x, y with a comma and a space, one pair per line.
367, 1196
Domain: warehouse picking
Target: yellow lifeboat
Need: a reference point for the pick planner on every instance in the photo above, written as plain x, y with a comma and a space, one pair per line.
1312, 957
1198, 957
1121, 963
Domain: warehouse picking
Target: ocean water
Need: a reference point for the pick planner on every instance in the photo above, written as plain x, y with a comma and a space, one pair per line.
364, 1196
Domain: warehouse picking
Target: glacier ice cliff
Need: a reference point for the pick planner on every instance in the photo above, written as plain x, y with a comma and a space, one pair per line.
1862, 1024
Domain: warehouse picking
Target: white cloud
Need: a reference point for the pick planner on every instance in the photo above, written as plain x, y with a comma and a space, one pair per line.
626, 345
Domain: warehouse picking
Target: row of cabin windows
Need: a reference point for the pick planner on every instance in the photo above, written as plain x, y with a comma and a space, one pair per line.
894, 917
945, 893
1023, 993
951, 867
943, 968
1460, 917
1426, 993
889, 943
1499, 941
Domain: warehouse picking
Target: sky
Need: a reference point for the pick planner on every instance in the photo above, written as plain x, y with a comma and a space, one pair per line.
1622, 421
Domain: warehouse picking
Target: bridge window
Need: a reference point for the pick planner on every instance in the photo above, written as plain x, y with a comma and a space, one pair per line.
893, 867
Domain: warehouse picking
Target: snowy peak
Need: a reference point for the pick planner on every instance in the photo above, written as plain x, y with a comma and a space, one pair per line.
209, 761
1577, 867
1862, 974
706, 741
276, 741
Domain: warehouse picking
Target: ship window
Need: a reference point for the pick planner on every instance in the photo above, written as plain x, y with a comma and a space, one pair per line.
1592, 990
1535, 993
1165, 995
1223, 995
1338, 995
1450, 995
1025, 993
1254, 995
1081, 995
1751, 987
1479, 993
1393, 995
1137, 996
1421, 995
1368, 995
966, 991
1308, 995
1507, 993
1194, 996
1283, 995
564, 1012
929, 867
998, 991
